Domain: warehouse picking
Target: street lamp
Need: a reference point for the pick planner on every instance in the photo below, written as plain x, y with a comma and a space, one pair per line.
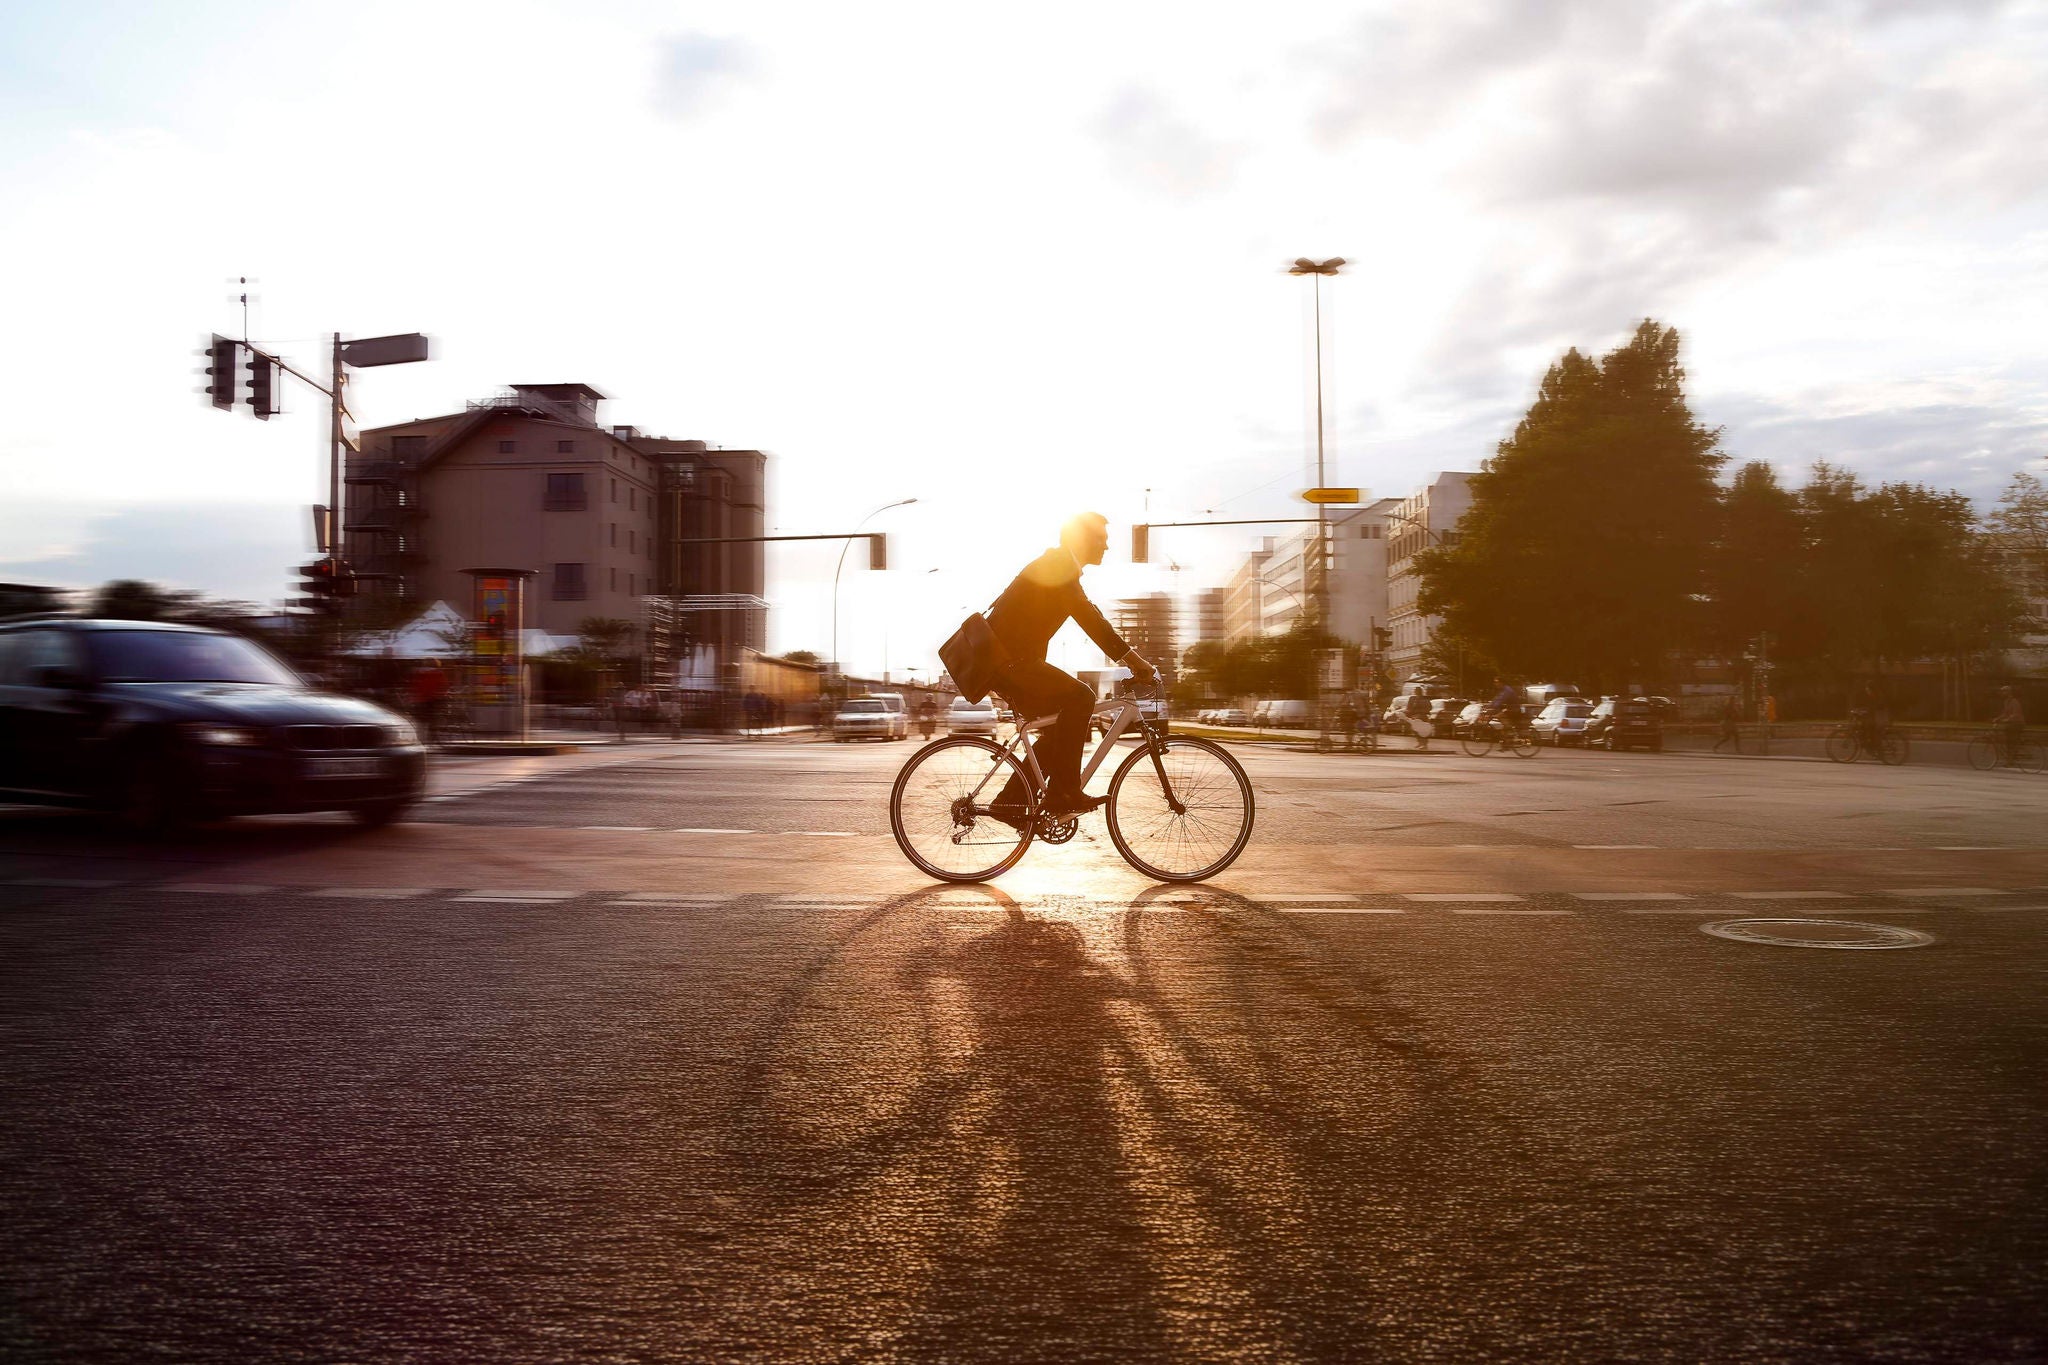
1304, 266
842, 564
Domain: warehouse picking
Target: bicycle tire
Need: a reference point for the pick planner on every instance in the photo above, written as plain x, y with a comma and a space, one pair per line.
1893, 748
1522, 743
2029, 756
934, 785
1842, 745
1478, 745
1984, 753
1168, 846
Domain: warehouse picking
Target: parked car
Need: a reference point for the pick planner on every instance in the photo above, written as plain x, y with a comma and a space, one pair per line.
865, 718
966, 717
1626, 723
1443, 711
167, 724
1562, 722
1289, 715
1467, 717
899, 710
1232, 715
1536, 696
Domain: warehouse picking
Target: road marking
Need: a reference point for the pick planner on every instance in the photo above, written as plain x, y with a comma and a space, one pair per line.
1630, 896
1614, 845
1790, 895
375, 893
76, 883
622, 829
1969, 848
1337, 910
1946, 891
714, 831
671, 900
220, 888
819, 834
1490, 910
519, 897
1437, 897
1313, 900
1693, 909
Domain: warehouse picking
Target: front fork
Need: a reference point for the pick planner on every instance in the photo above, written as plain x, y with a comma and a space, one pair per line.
1155, 744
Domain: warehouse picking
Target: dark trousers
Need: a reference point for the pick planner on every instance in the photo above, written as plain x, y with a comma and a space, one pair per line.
1036, 689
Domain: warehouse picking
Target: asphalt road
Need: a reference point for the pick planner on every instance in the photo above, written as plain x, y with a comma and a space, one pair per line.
1446, 1069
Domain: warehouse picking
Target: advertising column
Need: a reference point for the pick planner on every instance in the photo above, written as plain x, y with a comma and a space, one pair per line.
500, 691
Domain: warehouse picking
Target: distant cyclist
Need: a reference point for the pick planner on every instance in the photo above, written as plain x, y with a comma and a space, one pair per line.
1506, 706
2011, 721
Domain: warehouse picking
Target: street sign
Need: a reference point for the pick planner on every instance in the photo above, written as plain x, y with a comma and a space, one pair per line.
1328, 496
391, 350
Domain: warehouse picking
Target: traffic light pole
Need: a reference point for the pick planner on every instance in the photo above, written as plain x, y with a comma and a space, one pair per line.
337, 410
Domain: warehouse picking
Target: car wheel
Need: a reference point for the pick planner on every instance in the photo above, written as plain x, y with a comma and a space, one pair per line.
380, 813
149, 800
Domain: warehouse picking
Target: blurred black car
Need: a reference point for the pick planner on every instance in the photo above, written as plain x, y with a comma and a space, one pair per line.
1626, 723
167, 724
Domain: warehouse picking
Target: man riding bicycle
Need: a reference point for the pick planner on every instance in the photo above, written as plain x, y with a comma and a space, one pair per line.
1024, 619
1506, 706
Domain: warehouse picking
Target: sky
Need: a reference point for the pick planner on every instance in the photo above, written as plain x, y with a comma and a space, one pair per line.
1010, 266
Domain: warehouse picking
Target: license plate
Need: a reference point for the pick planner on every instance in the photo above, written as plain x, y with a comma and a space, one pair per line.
341, 767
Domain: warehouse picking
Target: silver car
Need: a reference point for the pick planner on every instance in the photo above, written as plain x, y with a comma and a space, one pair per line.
966, 717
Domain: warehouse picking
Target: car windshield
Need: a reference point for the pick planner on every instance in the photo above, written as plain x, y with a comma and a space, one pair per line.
181, 656
864, 707
1578, 709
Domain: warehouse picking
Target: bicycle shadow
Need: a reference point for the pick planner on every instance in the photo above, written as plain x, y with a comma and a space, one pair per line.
1144, 1123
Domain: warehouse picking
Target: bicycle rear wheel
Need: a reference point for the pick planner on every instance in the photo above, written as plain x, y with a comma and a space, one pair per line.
939, 810
1892, 748
2029, 756
1841, 746
1209, 830
1984, 753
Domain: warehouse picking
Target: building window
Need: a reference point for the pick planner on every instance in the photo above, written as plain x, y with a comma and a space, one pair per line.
615, 533
565, 493
565, 447
632, 500
615, 580
568, 584
507, 447
615, 490
632, 541
631, 591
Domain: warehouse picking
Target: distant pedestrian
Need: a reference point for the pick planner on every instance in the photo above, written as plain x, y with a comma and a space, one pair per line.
1416, 711
427, 690
1730, 712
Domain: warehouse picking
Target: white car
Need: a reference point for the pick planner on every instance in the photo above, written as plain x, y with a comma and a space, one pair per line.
1232, 715
1563, 721
966, 717
898, 709
865, 718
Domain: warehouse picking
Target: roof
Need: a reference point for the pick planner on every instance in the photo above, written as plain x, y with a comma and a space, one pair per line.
552, 389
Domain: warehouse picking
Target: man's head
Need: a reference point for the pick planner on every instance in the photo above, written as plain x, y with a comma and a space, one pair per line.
1086, 536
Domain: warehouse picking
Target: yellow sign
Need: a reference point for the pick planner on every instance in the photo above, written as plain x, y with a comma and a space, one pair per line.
1330, 495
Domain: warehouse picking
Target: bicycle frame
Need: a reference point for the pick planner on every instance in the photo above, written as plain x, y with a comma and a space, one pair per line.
1127, 717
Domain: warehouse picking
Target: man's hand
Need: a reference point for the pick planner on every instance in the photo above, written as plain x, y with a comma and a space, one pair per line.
1141, 667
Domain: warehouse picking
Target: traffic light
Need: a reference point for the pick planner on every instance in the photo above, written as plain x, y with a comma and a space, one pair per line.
262, 384
322, 585
1382, 638
1141, 544
220, 371
878, 550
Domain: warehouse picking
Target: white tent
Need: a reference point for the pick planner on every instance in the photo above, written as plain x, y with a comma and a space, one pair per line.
441, 632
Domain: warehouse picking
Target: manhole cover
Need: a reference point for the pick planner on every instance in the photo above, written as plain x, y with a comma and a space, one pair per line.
1818, 933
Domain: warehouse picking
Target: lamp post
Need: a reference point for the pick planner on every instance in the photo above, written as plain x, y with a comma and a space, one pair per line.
1317, 270
837, 671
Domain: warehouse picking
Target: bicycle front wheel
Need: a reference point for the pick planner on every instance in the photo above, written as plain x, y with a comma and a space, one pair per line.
939, 810
1478, 743
1892, 748
1523, 742
1984, 753
1207, 831
1841, 745
2029, 756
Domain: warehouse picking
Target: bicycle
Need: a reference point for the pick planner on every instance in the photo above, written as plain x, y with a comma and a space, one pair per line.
1487, 735
1180, 809
1848, 742
1993, 749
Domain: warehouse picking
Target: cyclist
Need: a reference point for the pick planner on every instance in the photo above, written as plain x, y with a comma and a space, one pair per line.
927, 716
2012, 720
1041, 599
1506, 706
1347, 720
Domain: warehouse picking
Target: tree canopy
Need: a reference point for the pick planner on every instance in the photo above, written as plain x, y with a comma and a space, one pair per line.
1585, 550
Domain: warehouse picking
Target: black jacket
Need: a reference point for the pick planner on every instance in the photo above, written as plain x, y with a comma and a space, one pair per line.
1040, 600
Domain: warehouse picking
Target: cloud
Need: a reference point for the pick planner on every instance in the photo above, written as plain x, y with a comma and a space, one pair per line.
696, 70
1147, 141
244, 551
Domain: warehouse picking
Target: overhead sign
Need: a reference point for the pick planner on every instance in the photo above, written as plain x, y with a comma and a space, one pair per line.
391, 350
1327, 496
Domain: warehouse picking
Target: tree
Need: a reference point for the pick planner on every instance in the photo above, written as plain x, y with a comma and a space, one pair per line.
2018, 528
1584, 554
1755, 572
802, 656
